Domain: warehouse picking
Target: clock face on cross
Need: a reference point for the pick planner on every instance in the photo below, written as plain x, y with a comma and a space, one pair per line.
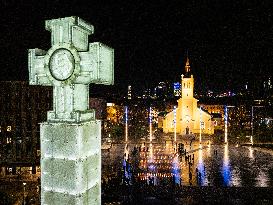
61, 64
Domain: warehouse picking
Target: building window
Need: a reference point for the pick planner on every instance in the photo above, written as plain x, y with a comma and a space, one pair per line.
9, 128
8, 140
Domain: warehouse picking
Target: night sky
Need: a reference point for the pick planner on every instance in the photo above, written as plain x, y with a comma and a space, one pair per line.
229, 42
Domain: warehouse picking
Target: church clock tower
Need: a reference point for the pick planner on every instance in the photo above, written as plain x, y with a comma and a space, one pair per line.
188, 117
187, 82
187, 102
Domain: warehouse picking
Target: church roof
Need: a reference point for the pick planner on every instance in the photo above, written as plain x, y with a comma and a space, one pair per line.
205, 111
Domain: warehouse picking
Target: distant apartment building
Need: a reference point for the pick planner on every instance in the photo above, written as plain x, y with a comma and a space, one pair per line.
22, 108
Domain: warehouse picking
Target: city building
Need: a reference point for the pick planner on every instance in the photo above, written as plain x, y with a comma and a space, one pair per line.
129, 94
177, 89
99, 105
160, 91
22, 108
188, 118
217, 113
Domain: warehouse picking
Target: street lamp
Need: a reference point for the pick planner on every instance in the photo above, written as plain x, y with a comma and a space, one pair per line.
126, 124
150, 123
226, 121
251, 138
201, 124
174, 122
24, 186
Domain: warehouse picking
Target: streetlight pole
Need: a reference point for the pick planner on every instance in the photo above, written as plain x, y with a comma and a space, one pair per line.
226, 121
252, 128
174, 122
24, 189
200, 134
150, 123
126, 124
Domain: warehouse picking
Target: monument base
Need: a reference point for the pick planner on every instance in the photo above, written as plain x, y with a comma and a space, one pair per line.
71, 163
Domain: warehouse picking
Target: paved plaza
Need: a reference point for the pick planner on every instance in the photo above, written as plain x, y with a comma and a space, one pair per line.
160, 173
157, 169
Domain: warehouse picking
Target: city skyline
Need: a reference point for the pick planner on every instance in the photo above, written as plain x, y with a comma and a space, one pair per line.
139, 141
229, 43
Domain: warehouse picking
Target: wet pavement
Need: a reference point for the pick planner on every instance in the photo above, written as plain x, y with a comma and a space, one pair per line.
158, 167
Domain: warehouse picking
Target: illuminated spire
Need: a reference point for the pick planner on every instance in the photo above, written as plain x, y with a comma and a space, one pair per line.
187, 66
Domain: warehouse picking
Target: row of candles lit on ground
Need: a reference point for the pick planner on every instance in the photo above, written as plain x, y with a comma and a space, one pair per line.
144, 176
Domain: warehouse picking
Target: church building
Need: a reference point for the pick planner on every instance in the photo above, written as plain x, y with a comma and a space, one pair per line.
187, 117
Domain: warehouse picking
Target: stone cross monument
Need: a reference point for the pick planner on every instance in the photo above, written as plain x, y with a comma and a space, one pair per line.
71, 137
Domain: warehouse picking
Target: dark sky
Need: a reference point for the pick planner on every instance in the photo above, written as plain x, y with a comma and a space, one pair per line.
229, 42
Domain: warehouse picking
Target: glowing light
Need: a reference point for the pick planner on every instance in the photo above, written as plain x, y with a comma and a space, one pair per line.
151, 151
177, 89
126, 123
126, 152
262, 179
250, 153
226, 167
150, 122
226, 122
9, 128
174, 122
176, 170
200, 166
200, 134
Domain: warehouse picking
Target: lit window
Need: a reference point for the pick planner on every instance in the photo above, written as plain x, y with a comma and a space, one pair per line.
8, 140
8, 128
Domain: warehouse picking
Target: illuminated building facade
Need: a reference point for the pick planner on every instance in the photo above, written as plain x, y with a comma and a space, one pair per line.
217, 111
177, 89
129, 94
189, 117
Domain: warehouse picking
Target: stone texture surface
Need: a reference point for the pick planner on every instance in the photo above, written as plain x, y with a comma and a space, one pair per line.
71, 163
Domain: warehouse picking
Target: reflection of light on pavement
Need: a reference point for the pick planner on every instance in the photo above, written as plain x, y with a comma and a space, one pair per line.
175, 148
200, 154
235, 177
159, 165
152, 168
168, 147
126, 123
150, 123
226, 123
176, 169
208, 150
126, 152
226, 167
262, 179
200, 166
251, 153
174, 122
151, 154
